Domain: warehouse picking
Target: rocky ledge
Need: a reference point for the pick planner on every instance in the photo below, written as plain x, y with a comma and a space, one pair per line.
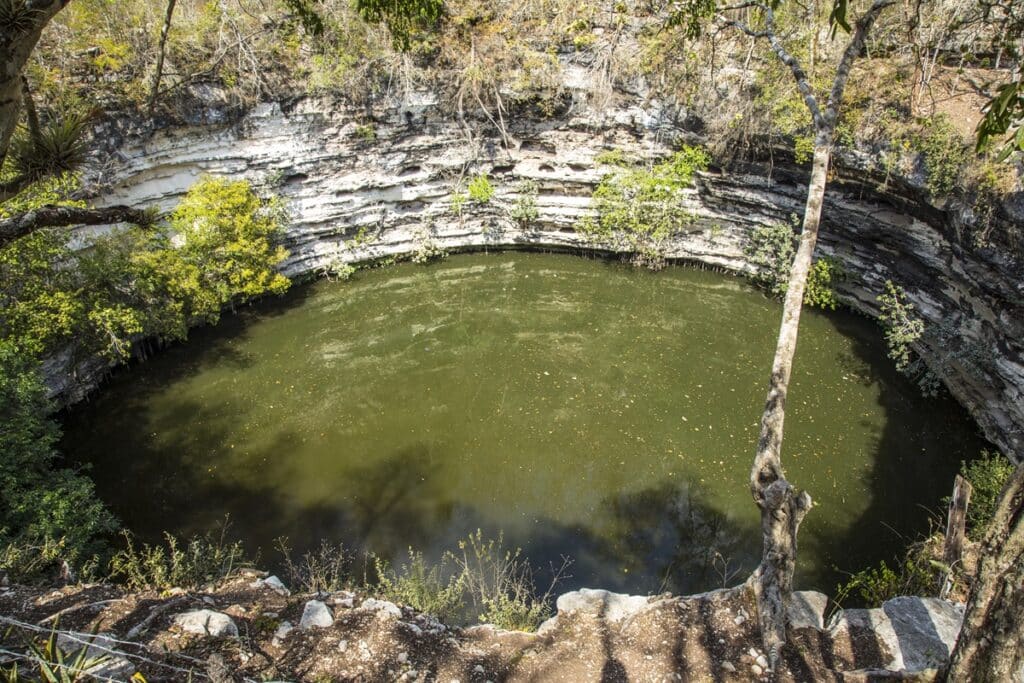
355, 199
251, 628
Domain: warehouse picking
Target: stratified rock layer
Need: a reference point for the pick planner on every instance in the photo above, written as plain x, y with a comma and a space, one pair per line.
352, 200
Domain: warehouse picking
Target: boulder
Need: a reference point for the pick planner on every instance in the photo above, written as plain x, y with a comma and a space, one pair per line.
388, 608
806, 609
601, 603
316, 613
207, 622
916, 634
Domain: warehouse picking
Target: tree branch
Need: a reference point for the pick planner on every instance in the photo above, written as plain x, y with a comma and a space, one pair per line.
852, 51
60, 216
789, 60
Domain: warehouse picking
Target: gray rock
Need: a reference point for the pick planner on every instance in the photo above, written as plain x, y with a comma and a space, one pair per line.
806, 609
207, 622
282, 631
275, 584
382, 606
601, 603
316, 613
916, 633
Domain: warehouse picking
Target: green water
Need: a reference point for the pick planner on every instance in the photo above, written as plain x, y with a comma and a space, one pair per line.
585, 408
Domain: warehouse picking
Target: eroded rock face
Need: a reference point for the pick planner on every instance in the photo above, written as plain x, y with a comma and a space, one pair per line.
353, 200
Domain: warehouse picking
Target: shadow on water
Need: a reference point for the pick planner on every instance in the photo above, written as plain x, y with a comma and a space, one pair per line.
911, 463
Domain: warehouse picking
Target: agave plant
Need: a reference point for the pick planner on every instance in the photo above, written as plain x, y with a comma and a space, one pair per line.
16, 16
52, 663
59, 146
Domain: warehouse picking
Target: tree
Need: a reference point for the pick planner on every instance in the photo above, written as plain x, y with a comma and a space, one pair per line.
782, 506
22, 23
990, 648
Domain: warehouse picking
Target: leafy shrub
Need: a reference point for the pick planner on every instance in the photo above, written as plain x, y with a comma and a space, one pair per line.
480, 189
199, 560
216, 250
820, 290
324, 570
642, 208
944, 153
772, 248
988, 475
500, 583
47, 515
915, 575
902, 326
422, 587
524, 211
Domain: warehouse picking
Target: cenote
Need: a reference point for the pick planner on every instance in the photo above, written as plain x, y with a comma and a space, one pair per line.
581, 407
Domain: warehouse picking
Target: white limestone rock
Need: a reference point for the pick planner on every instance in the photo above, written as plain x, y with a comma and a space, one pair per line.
207, 622
383, 607
317, 614
601, 603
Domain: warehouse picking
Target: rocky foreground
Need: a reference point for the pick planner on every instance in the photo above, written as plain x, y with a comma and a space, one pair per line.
251, 628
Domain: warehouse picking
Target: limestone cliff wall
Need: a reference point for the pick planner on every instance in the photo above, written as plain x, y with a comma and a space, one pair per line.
353, 199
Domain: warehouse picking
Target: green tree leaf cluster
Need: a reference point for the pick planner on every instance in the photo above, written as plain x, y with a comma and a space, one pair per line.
217, 249
902, 326
644, 206
405, 19
47, 513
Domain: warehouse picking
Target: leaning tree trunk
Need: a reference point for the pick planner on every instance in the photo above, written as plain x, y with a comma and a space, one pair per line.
990, 648
782, 506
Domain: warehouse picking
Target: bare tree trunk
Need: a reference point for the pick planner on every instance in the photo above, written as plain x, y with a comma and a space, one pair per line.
990, 648
956, 522
782, 506
155, 91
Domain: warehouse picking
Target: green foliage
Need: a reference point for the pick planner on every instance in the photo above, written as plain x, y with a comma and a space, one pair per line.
988, 475
820, 290
56, 190
216, 250
405, 19
307, 15
366, 133
227, 233
902, 326
500, 583
524, 211
611, 157
917, 574
1004, 118
480, 189
60, 147
53, 663
422, 586
772, 248
944, 153
198, 561
47, 514
426, 249
642, 208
